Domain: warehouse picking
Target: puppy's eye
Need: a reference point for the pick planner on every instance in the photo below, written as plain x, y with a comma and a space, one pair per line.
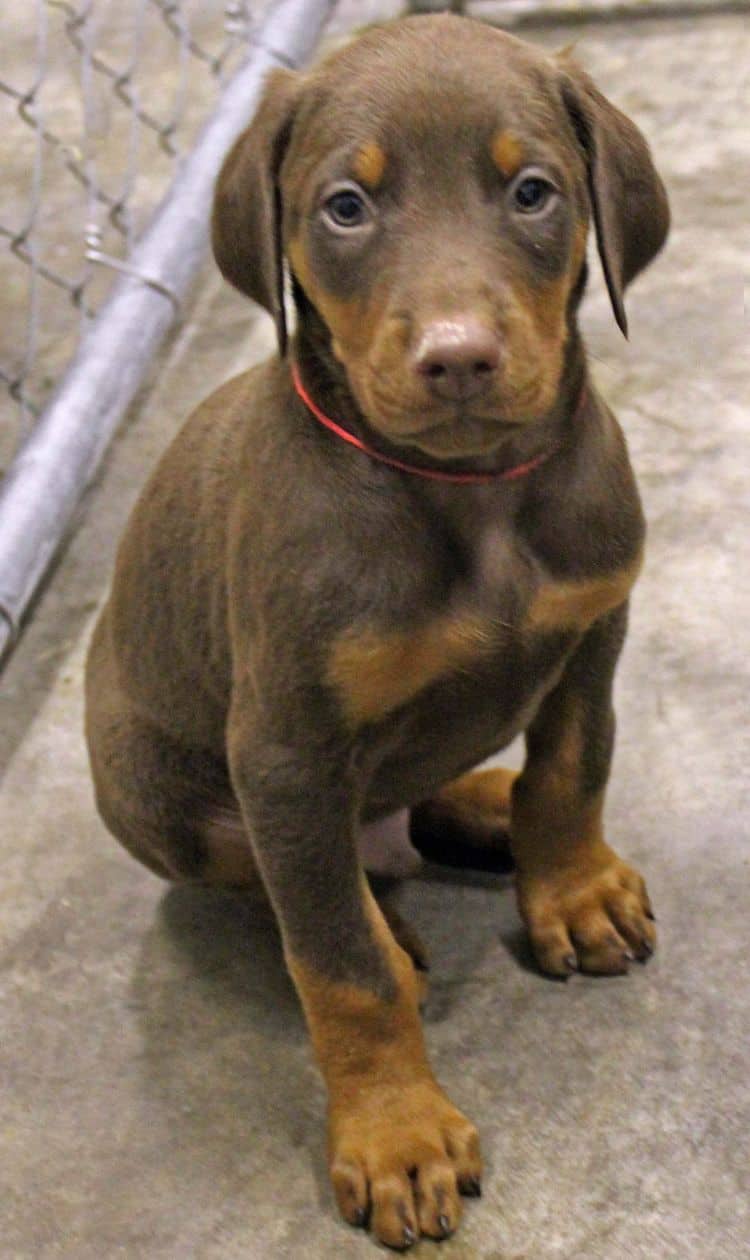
532, 193
346, 209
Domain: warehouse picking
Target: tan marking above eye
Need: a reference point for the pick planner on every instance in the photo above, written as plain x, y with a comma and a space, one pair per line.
369, 164
375, 673
576, 605
507, 153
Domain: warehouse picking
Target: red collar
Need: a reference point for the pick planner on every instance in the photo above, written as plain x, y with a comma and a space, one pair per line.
434, 474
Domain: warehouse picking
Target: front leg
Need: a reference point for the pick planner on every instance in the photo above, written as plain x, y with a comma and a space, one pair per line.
399, 1151
582, 905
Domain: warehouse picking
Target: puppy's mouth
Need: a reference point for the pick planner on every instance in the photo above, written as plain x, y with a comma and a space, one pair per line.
464, 435
452, 431
441, 428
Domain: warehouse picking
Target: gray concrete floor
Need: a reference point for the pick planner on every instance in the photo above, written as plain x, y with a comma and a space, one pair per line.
159, 1098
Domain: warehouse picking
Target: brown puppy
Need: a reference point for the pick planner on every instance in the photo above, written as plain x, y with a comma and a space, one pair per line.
303, 639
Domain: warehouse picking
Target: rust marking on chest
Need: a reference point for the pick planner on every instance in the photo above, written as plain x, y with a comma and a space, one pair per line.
375, 672
575, 605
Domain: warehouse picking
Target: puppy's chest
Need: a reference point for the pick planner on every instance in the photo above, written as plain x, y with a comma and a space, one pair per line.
494, 631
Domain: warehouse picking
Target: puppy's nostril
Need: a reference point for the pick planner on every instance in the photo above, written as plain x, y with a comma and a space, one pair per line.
465, 367
436, 370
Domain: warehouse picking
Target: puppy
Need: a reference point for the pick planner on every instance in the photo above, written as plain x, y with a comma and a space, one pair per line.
371, 562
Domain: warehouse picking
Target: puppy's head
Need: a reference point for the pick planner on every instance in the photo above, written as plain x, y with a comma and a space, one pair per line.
430, 186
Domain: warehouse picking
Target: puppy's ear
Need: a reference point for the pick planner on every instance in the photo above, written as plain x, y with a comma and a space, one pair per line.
246, 221
628, 200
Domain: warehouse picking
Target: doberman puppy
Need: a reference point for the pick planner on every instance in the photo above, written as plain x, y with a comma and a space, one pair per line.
307, 638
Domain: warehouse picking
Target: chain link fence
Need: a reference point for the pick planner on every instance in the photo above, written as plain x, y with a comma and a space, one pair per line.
99, 100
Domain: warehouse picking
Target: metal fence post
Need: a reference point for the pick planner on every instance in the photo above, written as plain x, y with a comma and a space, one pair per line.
41, 489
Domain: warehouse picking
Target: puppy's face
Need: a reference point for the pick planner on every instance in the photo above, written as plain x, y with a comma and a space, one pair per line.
431, 186
435, 215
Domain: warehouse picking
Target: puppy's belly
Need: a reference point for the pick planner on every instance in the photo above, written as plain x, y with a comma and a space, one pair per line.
415, 772
453, 728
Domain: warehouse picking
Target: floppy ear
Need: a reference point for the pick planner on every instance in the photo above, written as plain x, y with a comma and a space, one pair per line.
246, 220
628, 200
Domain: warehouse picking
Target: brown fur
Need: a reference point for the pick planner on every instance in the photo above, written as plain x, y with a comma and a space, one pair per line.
300, 640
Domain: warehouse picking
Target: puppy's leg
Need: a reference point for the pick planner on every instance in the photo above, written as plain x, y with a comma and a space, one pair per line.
399, 1151
583, 906
467, 823
171, 806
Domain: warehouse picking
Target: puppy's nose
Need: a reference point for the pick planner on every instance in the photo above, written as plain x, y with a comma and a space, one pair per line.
458, 358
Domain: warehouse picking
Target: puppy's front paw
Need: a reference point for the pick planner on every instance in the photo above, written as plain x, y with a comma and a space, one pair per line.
401, 1156
595, 916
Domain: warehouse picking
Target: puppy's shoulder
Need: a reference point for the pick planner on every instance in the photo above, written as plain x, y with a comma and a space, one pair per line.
587, 519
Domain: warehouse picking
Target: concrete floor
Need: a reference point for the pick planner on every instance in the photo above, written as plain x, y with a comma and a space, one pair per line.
159, 1098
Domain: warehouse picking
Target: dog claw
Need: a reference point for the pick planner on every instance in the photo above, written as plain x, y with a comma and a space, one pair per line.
410, 1236
444, 1225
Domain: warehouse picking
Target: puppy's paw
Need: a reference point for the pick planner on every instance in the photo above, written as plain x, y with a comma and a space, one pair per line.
401, 1156
466, 824
596, 918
